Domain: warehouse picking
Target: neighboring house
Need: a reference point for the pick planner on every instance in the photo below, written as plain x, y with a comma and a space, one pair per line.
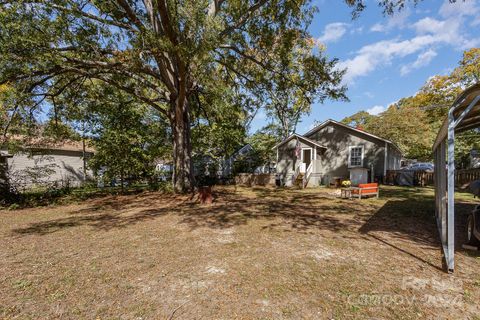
227, 167
333, 150
207, 166
474, 159
42, 163
164, 170
266, 168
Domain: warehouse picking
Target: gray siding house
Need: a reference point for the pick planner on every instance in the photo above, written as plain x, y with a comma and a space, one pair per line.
227, 166
332, 151
61, 164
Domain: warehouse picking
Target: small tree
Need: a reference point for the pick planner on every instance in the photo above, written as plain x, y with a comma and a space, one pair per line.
126, 141
303, 79
263, 142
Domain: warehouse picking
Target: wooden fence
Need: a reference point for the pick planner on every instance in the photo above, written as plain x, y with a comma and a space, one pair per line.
465, 176
422, 178
251, 179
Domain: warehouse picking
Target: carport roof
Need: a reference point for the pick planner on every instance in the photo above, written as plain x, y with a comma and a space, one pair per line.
469, 101
300, 138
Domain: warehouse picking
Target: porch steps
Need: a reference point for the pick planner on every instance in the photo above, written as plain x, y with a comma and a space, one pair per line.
299, 180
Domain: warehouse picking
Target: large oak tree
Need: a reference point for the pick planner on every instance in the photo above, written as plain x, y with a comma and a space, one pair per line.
164, 53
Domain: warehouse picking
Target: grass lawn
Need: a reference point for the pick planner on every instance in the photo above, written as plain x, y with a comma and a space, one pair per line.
254, 254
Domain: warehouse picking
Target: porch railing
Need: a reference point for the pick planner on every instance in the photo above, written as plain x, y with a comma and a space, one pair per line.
307, 175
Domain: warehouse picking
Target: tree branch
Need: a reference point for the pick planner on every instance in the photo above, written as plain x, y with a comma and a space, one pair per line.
244, 19
93, 17
131, 15
131, 91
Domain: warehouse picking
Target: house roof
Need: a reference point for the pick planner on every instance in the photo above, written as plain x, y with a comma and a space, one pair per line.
49, 144
5, 154
329, 121
301, 138
239, 151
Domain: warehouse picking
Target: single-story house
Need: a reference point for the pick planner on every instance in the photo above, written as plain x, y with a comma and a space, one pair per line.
46, 163
333, 151
474, 159
227, 166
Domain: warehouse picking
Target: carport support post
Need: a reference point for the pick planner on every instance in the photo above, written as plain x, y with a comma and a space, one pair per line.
451, 191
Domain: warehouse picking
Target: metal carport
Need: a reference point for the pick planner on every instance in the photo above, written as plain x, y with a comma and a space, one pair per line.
464, 114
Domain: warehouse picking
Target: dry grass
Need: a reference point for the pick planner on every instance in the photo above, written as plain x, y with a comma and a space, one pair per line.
256, 253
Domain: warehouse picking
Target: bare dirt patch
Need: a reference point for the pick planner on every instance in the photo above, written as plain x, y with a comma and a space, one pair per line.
255, 253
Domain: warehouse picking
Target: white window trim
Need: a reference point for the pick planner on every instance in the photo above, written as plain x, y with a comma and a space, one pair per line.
350, 154
311, 154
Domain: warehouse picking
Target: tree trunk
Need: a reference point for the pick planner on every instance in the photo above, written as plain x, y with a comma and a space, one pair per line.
285, 128
183, 180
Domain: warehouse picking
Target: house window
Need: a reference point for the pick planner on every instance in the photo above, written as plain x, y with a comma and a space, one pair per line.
355, 158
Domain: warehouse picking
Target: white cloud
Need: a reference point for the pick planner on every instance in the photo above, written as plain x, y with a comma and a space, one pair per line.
377, 27
370, 57
449, 31
459, 8
333, 32
430, 25
376, 110
369, 94
423, 59
357, 30
398, 20
430, 33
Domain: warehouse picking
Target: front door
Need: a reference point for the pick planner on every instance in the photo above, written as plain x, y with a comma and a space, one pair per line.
306, 157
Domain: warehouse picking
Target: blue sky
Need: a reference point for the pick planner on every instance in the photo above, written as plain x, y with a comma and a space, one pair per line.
388, 58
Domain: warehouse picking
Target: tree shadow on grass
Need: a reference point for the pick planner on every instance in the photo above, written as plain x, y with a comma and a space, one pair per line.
398, 222
289, 211
97, 221
300, 217
302, 212
413, 221
406, 216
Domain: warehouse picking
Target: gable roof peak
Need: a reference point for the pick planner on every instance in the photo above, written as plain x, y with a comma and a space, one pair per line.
301, 137
328, 121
